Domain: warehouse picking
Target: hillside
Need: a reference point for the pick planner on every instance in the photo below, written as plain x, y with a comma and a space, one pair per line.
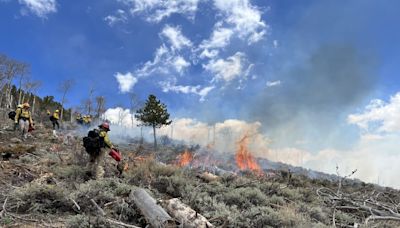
44, 182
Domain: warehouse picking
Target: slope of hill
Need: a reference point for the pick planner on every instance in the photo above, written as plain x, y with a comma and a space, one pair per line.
44, 182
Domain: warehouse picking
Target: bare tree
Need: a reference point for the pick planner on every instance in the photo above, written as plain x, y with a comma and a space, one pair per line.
65, 86
88, 103
121, 115
100, 106
135, 104
23, 75
9, 69
32, 87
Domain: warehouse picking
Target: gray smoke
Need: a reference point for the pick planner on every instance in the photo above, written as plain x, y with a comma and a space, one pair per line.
315, 96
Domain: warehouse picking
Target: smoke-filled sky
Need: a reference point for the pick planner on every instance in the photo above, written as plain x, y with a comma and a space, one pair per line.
311, 79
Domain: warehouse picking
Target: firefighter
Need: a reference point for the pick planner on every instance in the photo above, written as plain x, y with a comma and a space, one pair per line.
23, 117
79, 119
97, 159
84, 120
89, 120
54, 120
12, 115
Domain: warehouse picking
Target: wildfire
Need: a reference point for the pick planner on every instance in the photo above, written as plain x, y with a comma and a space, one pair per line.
244, 160
185, 158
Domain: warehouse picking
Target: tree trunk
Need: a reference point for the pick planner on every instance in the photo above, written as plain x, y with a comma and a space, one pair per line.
62, 106
186, 216
155, 138
23, 98
62, 112
141, 135
154, 214
8, 95
33, 105
20, 91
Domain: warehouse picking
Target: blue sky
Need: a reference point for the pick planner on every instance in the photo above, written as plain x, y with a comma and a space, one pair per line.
300, 68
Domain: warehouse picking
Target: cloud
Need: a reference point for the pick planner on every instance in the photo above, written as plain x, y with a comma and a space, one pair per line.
220, 38
167, 58
157, 10
273, 83
125, 81
209, 54
228, 69
245, 18
202, 92
165, 61
118, 16
40, 8
180, 64
379, 116
175, 37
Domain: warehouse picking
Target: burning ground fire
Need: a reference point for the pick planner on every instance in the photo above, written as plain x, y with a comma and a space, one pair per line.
185, 159
244, 159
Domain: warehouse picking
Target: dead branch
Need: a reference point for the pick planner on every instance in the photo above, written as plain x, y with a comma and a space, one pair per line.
76, 204
5, 212
120, 223
368, 205
98, 207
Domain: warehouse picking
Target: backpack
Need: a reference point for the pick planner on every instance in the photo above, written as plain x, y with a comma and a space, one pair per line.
12, 115
93, 142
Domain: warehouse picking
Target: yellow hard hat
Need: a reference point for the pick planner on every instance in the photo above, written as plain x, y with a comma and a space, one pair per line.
26, 105
19, 106
57, 110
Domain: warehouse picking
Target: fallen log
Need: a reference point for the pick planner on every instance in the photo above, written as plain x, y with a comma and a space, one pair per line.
187, 217
153, 213
208, 177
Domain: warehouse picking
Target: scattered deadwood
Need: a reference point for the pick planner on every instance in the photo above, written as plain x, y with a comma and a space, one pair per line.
112, 221
154, 214
208, 177
372, 206
15, 151
186, 216
5, 212
121, 223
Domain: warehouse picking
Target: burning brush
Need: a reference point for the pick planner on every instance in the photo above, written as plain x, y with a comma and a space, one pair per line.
185, 159
244, 159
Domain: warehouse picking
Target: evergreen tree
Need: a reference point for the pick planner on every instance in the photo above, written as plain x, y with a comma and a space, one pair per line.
154, 114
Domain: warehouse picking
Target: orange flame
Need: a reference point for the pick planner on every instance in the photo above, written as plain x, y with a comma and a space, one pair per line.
185, 159
244, 160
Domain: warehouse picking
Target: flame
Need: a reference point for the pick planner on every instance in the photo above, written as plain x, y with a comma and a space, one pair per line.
185, 158
244, 159
126, 167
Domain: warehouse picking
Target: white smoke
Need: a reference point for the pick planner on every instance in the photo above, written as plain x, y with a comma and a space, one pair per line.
375, 155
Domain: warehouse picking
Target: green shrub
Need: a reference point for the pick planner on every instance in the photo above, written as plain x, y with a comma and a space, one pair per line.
41, 198
78, 221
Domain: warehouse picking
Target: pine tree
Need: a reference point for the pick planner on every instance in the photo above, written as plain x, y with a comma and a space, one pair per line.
154, 114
